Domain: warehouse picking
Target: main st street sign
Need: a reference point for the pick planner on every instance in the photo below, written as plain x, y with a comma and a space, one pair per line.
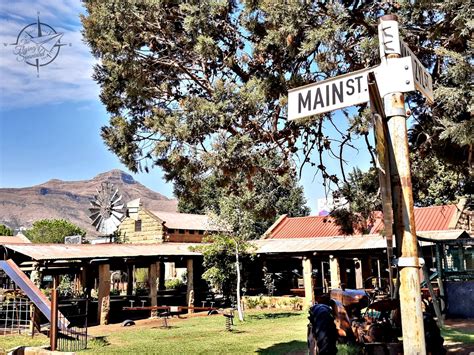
393, 75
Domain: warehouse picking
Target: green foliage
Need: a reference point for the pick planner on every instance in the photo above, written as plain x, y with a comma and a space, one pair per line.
66, 287
141, 275
5, 231
436, 182
269, 281
175, 284
362, 196
199, 89
219, 263
52, 231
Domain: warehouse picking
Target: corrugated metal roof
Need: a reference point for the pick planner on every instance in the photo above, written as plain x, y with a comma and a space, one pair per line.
19, 238
306, 227
186, 221
436, 218
434, 236
87, 251
295, 245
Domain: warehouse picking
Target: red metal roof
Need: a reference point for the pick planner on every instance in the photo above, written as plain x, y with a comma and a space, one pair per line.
426, 219
306, 227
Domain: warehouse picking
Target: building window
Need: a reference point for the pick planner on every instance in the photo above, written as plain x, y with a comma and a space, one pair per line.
181, 231
138, 225
201, 232
170, 230
191, 232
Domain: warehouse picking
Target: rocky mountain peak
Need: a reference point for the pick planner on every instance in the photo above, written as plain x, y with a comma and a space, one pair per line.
115, 175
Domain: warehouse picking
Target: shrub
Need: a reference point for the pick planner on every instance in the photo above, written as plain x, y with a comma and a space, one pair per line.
175, 284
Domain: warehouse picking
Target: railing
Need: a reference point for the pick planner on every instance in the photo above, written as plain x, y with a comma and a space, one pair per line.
15, 315
73, 312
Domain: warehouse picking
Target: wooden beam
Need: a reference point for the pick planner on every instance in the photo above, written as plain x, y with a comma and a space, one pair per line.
152, 277
104, 294
308, 281
190, 291
130, 276
161, 276
335, 272
358, 273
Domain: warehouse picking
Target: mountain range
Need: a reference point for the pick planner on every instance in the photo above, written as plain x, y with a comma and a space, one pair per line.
70, 200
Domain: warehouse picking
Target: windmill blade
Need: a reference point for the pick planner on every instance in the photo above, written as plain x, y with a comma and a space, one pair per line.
106, 211
96, 222
94, 214
118, 207
118, 215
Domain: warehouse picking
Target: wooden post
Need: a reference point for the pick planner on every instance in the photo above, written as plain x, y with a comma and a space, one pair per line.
130, 280
358, 273
161, 276
335, 272
190, 291
53, 332
323, 278
308, 281
104, 294
439, 267
152, 277
461, 257
403, 215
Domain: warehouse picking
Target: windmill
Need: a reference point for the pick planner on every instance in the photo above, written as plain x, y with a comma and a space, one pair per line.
107, 209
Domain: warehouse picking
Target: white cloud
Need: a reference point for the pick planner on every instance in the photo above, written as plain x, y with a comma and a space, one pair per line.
67, 78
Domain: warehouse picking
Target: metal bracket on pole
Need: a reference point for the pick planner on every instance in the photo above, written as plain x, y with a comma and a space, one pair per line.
395, 75
406, 261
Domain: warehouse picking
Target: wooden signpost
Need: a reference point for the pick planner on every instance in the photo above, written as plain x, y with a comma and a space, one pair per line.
383, 86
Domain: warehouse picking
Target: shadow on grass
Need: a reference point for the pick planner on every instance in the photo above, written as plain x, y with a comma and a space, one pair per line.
272, 315
236, 331
292, 347
165, 327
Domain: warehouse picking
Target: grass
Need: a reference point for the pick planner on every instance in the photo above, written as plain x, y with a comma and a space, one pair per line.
263, 332
11, 341
456, 336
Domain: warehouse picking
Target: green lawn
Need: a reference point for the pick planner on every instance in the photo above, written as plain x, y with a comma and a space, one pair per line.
456, 336
263, 332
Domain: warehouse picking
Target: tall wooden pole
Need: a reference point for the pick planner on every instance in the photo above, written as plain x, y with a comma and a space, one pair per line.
53, 331
403, 214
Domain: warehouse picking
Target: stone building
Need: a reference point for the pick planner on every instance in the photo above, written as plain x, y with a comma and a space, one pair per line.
144, 226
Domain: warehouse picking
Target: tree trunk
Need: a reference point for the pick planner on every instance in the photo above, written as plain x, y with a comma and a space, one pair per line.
237, 266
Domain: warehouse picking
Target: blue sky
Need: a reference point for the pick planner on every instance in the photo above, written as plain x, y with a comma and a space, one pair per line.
50, 125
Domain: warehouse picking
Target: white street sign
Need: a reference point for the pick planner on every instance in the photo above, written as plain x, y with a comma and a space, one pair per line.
390, 43
423, 80
389, 40
393, 75
328, 95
